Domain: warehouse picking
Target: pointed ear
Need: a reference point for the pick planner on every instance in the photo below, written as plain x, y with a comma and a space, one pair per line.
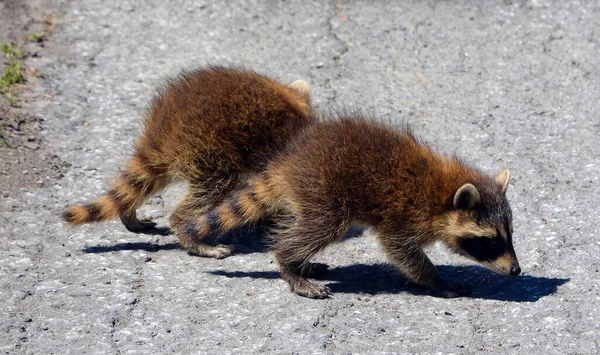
466, 197
502, 179
302, 88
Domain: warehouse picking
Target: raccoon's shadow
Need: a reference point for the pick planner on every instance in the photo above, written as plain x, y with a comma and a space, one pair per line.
149, 247
382, 278
251, 243
256, 239
245, 240
489, 285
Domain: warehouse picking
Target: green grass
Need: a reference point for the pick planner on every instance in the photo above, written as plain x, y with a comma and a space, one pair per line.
14, 72
37, 36
2, 140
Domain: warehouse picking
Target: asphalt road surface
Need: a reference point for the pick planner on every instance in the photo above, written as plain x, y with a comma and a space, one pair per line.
500, 83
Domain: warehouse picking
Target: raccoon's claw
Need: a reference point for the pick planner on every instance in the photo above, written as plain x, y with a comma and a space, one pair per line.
310, 290
454, 291
222, 251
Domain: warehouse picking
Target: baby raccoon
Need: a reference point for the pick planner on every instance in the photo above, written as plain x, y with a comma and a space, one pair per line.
209, 128
355, 170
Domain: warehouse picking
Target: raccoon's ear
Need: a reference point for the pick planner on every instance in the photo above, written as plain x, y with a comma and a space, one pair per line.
502, 179
302, 88
466, 197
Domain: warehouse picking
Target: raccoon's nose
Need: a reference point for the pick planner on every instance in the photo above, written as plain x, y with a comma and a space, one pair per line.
515, 270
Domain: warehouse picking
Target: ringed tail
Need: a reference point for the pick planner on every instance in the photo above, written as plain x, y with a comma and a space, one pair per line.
248, 206
135, 184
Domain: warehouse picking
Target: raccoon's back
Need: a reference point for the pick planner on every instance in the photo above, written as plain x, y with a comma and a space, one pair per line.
357, 163
220, 117
349, 148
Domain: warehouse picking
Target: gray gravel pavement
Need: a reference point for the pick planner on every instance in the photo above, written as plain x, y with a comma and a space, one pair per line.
501, 83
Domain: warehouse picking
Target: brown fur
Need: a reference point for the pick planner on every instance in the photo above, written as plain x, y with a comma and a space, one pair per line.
355, 170
209, 127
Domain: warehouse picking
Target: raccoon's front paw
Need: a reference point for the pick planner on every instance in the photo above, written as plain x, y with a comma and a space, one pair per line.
453, 291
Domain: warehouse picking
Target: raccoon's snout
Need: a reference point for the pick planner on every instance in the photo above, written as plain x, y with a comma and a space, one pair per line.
506, 264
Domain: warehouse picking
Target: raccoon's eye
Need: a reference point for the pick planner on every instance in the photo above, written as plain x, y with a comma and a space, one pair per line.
483, 248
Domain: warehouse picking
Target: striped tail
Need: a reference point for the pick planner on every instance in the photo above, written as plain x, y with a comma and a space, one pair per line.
248, 206
132, 188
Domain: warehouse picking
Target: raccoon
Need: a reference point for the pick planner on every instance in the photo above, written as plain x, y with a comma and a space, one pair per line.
355, 170
209, 127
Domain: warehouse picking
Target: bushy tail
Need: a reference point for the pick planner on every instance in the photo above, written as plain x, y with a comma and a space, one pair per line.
248, 206
132, 188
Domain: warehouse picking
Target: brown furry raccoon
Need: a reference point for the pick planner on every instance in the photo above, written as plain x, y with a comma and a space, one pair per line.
355, 170
209, 127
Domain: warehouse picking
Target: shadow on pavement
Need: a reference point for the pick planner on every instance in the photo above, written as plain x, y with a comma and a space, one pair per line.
149, 247
248, 245
245, 240
382, 278
372, 279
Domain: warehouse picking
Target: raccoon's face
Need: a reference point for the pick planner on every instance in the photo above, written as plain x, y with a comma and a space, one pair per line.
480, 226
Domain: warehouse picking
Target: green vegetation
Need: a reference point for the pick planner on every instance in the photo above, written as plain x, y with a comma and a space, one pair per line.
37, 36
50, 23
14, 72
2, 140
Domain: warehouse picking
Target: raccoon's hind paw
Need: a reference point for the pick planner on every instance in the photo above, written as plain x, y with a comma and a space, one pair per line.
218, 251
146, 226
311, 290
141, 225
456, 290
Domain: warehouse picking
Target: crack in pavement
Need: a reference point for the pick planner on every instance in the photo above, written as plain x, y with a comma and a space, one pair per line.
337, 58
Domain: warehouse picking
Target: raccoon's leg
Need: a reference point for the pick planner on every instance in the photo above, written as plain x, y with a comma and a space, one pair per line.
314, 270
415, 265
297, 244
